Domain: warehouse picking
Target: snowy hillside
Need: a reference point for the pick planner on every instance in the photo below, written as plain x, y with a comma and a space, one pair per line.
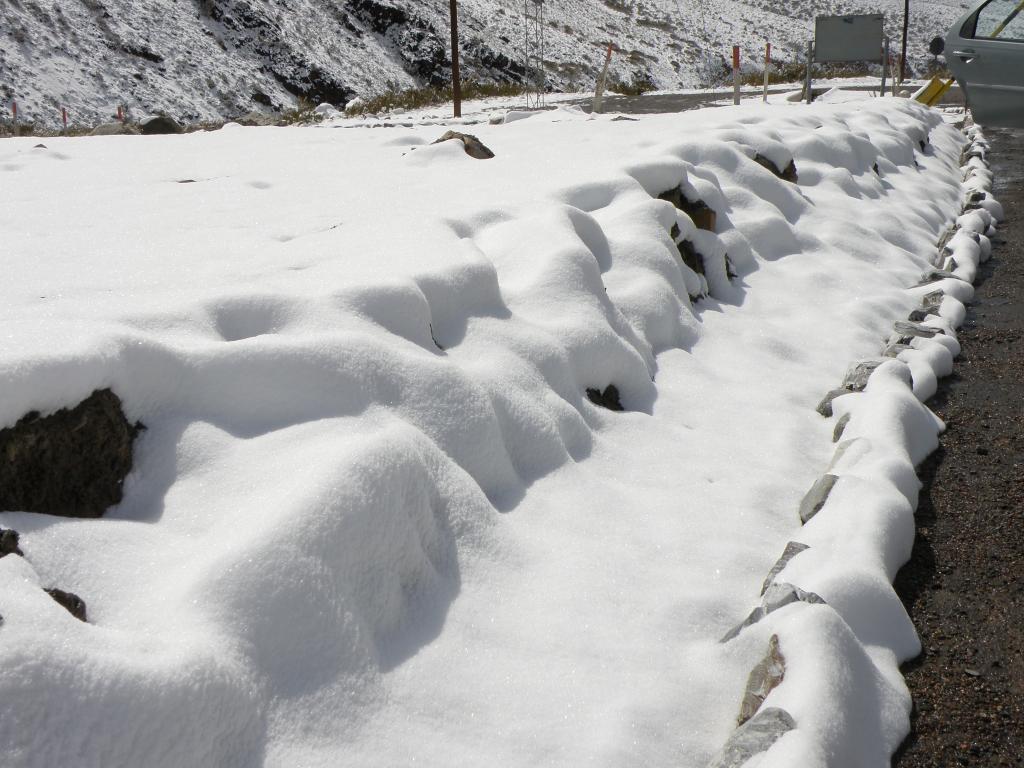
207, 59
449, 462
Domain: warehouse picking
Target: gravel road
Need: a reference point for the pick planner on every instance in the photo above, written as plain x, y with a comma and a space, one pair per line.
964, 584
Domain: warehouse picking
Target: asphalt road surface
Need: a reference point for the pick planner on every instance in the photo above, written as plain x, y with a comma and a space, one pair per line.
650, 104
964, 584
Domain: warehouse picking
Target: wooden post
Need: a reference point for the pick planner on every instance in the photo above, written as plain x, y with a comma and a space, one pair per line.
64, 118
810, 62
735, 74
885, 64
903, 50
767, 66
14, 113
456, 84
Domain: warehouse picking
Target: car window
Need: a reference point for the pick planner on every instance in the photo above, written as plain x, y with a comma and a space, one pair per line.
1002, 19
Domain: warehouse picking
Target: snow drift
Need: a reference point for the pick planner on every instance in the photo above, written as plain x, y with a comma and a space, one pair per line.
374, 518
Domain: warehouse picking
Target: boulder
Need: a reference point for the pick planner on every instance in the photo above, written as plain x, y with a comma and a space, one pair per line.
71, 463
837, 433
922, 313
754, 737
473, 146
9, 543
114, 128
857, 375
701, 214
786, 174
933, 299
825, 406
934, 275
908, 329
608, 399
72, 602
816, 497
159, 124
763, 679
775, 597
792, 549
255, 118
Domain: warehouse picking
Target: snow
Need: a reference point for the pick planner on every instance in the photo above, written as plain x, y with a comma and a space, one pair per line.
374, 519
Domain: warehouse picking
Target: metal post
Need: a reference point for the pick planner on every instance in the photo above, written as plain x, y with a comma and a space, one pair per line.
885, 64
735, 74
767, 66
456, 84
903, 50
810, 62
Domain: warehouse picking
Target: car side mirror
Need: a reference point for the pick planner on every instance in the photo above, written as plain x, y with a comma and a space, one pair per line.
936, 46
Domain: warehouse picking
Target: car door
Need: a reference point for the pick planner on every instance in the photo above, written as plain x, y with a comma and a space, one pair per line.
985, 53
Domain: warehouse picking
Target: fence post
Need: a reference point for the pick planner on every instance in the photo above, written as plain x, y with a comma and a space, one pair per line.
14, 114
885, 64
456, 80
64, 119
599, 91
735, 74
767, 65
810, 62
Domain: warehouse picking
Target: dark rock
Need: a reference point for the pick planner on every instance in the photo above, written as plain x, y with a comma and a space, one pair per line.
9, 543
691, 256
786, 174
754, 737
159, 124
474, 148
763, 679
74, 604
775, 597
825, 406
608, 399
701, 214
623, 118
816, 497
792, 549
70, 463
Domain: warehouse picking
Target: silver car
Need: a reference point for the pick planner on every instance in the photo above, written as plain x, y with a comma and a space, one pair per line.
984, 51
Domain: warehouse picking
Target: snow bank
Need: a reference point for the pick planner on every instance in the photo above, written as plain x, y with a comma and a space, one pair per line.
375, 518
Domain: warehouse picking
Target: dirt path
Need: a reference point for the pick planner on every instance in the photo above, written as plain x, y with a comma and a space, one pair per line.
964, 585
